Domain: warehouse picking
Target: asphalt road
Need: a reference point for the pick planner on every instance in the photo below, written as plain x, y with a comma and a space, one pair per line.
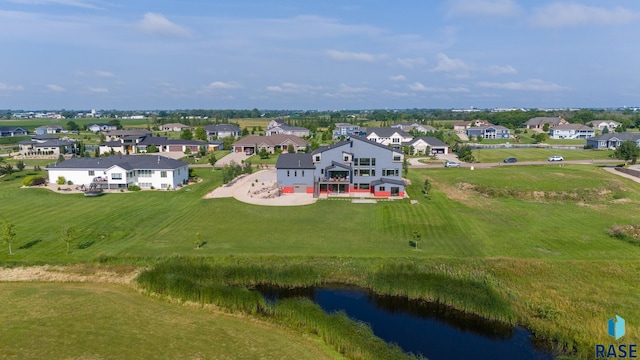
415, 164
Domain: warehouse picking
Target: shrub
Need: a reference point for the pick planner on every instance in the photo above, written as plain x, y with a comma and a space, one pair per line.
134, 188
33, 180
69, 182
61, 180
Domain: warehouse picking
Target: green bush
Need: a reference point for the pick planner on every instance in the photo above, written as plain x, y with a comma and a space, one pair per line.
134, 188
33, 180
61, 180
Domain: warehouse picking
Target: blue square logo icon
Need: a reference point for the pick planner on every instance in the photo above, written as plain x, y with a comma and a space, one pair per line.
616, 327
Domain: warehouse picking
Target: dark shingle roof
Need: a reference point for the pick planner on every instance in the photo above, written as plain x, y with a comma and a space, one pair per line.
387, 181
295, 161
428, 139
387, 132
622, 136
222, 127
128, 162
11, 129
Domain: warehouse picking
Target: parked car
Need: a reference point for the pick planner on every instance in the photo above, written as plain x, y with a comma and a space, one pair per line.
510, 160
451, 164
556, 158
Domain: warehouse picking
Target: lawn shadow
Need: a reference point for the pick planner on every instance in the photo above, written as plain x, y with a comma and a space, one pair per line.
30, 244
85, 244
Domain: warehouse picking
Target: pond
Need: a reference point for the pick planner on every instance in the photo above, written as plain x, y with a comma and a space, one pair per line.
430, 329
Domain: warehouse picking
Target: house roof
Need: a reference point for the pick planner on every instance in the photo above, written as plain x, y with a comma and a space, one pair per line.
127, 162
294, 161
322, 149
129, 132
364, 139
272, 140
335, 164
621, 136
485, 127
387, 181
50, 127
52, 143
221, 128
542, 120
162, 140
432, 141
11, 129
288, 127
387, 132
344, 125
571, 127
598, 122
174, 125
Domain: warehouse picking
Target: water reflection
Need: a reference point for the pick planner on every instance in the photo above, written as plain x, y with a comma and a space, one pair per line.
433, 330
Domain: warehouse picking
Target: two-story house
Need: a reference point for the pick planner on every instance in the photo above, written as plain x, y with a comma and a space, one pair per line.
571, 131
356, 165
345, 129
489, 132
393, 137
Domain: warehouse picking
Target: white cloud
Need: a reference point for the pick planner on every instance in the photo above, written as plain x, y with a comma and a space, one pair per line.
98, 90
56, 88
158, 24
346, 91
397, 78
529, 85
567, 14
416, 86
483, 8
104, 74
410, 63
500, 70
292, 88
456, 67
346, 55
396, 93
10, 88
221, 85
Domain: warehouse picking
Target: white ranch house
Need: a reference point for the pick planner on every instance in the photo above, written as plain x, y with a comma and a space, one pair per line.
122, 171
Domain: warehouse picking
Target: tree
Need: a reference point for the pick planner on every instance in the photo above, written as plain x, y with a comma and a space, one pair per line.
186, 134
628, 150
227, 142
605, 130
152, 148
245, 131
263, 153
291, 149
187, 151
202, 151
72, 126
247, 169
545, 127
198, 240
201, 134
416, 238
9, 234
465, 154
212, 159
8, 169
68, 235
405, 166
20, 165
116, 123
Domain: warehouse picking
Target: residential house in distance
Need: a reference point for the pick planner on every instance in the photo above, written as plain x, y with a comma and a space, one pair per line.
538, 122
254, 143
462, 126
8, 131
427, 146
49, 129
414, 127
389, 136
121, 134
274, 128
612, 140
219, 131
141, 144
122, 171
489, 132
571, 131
602, 124
47, 145
353, 166
346, 129
101, 127
174, 127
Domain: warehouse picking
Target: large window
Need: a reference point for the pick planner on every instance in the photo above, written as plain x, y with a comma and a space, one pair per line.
145, 173
116, 176
163, 174
92, 173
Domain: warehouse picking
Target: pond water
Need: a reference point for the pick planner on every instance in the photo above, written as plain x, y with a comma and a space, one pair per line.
432, 330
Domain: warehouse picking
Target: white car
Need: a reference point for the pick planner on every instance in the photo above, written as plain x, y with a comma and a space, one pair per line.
451, 164
556, 158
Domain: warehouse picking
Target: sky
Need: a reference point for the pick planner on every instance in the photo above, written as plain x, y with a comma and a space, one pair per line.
318, 55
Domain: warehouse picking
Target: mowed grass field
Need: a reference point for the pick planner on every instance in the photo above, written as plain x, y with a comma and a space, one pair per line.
538, 235
106, 321
539, 154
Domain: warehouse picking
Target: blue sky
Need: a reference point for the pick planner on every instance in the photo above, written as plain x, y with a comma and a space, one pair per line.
325, 55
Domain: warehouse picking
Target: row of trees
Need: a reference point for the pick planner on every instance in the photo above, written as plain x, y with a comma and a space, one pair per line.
9, 236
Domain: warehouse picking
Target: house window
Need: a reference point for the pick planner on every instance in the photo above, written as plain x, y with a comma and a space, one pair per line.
395, 140
373, 161
397, 158
365, 161
164, 186
355, 186
302, 173
364, 186
346, 158
116, 176
295, 173
92, 172
163, 174
381, 188
321, 171
317, 157
288, 173
355, 161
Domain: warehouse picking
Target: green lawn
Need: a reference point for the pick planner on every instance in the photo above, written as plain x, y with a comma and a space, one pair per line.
104, 321
538, 235
538, 154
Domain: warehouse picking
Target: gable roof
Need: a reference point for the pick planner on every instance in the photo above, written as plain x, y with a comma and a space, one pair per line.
387, 132
384, 180
174, 125
543, 120
58, 127
621, 136
295, 161
129, 132
432, 141
272, 140
289, 127
128, 162
11, 129
571, 127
